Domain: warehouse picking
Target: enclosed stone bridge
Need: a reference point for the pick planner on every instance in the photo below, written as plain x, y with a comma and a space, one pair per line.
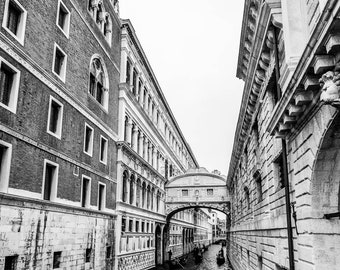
197, 188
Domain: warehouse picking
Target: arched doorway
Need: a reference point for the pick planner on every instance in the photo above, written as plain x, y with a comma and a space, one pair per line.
158, 245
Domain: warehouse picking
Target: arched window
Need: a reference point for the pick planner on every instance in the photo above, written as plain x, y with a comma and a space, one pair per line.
158, 201
98, 87
132, 191
138, 191
152, 197
124, 187
108, 28
148, 197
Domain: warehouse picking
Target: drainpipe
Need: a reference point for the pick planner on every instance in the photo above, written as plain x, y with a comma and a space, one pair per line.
284, 162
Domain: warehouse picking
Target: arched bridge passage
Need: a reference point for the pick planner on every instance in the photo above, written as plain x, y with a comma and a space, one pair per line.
225, 210
197, 188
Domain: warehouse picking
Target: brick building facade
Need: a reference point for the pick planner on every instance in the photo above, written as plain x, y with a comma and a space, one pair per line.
287, 138
59, 75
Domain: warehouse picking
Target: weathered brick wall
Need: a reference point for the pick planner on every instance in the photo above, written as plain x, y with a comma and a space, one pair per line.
34, 231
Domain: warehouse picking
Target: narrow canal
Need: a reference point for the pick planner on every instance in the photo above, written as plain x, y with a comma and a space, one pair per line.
208, 262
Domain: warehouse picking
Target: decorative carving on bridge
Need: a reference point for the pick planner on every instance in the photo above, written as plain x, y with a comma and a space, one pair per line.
330, 83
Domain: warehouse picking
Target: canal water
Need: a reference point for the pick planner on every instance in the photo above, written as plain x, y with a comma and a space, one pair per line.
208, 262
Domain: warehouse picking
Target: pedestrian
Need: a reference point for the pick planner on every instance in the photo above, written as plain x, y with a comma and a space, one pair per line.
170, 254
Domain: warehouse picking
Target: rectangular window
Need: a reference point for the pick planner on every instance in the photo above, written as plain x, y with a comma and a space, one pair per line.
210, 192
50, 180
137, 226
278, 165
63, 18
185, 192
123, 224
9, 85
55, 117
130, 225
101, 196
59, 62
259, 262
103, 150
142, 230
56, 259
88, 252
11, 262
128, 70
14, 21
88, 140
5, 164
108, 252
134, 82
147, 227
85, 191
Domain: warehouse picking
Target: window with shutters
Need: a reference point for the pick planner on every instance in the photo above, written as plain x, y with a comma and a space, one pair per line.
63, 18
14, 20
9, 85
50, 183
59, 63
55, 118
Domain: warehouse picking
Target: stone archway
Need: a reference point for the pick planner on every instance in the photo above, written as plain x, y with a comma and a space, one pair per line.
325, 200
158, 245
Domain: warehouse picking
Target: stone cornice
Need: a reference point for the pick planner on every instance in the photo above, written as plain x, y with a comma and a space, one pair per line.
301, 81
255, 76
127, 24
126, 148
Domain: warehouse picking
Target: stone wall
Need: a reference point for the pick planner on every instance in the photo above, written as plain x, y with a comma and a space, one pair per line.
34, 231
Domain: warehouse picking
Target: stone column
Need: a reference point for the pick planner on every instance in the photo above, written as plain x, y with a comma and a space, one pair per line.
146, 145
146, 102
150, 153
134, 138
128, 131
141, 95
141, 144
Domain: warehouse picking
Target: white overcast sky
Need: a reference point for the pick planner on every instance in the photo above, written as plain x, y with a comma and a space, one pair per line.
192, 46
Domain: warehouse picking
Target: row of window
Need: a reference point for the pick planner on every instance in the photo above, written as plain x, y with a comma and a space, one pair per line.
15, 17
139, 194
139, 90
185, 192
11, 262
50, 179
14, 22
133, 226
54, 127
141, 144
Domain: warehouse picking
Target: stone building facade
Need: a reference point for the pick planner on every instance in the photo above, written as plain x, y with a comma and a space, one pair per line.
59, 76
283, 174
151, 150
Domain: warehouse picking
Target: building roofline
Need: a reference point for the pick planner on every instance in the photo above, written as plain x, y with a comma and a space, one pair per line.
127, 23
